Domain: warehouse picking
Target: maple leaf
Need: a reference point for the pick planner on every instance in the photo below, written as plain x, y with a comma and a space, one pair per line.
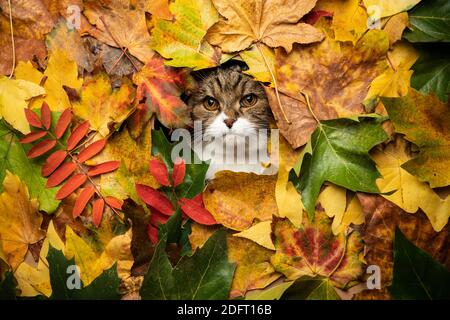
236, 199
381, 220
389, 8
259, 233
13, 100
60, 72
20, 220
312, 250
404, 189
122, 28
102, 105
395, 26
333, 200
161, 87
158, 8
310, 288
260, 61
272, 22
350, 20
425, 121
182, 41
339, 154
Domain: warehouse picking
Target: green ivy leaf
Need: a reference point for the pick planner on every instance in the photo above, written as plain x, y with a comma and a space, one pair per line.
205, 275
104, 287
430, 22
432, 71
339, 154
13, 157
309, 288
417, 276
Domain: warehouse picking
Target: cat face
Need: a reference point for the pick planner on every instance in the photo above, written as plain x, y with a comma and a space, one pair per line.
228, 102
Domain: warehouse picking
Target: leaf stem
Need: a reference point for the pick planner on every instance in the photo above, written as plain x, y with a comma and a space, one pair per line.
277, 94
12, 40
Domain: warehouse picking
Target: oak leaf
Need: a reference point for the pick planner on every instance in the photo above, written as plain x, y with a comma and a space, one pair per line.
272, 22
20, 220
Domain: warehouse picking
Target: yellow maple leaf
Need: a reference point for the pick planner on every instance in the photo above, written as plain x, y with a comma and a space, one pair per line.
288, 199
259, 233
349, 18
259, 59
404, 189
20, 220
101, 105
333, 199
394, 81
60, 72
394, 26
235, 199
272, 22
387, 8
14, 96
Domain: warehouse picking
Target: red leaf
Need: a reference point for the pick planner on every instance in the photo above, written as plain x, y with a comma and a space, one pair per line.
114, 203
71, 185
77, 134
61, 174
152, 232
63, 123
199, 199
159, 170
33, 136
33, 119
157, 217
179, 171
82, 201
196, 212
314, 16
53, 162
46, 116
41, 148
91, 150
103, 168
97, 211
155, 199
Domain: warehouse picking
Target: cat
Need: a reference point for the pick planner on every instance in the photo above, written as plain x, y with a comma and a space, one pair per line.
234, 114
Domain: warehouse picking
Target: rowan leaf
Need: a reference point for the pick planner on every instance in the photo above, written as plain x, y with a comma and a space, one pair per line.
102, 168
122, 28
181, 41
236, 199
102, 105
71, 185
41, 148
61, 174
97, 212
178, 172
161, 87
53, 162
63, 123
339, 154
83, 198
77, 134
14, 159
155, 199
13, 100
417, 276
425, 121
91, 150
273, 22
195, 277
429, 22
20, 220
196, 211
404, 189
158, 169
312, 250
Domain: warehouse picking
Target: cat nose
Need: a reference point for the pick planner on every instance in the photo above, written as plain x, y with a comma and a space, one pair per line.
229, 122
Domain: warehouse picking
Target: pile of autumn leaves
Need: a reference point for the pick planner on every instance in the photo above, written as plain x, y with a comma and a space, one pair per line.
360, 150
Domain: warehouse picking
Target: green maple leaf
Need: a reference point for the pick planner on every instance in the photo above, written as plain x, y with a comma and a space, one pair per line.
181, 41
425, 121
417, 276
13, 157
104, 287
205, 275
339, 154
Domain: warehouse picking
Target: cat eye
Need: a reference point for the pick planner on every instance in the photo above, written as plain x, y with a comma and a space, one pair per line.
249, 100
210, 103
